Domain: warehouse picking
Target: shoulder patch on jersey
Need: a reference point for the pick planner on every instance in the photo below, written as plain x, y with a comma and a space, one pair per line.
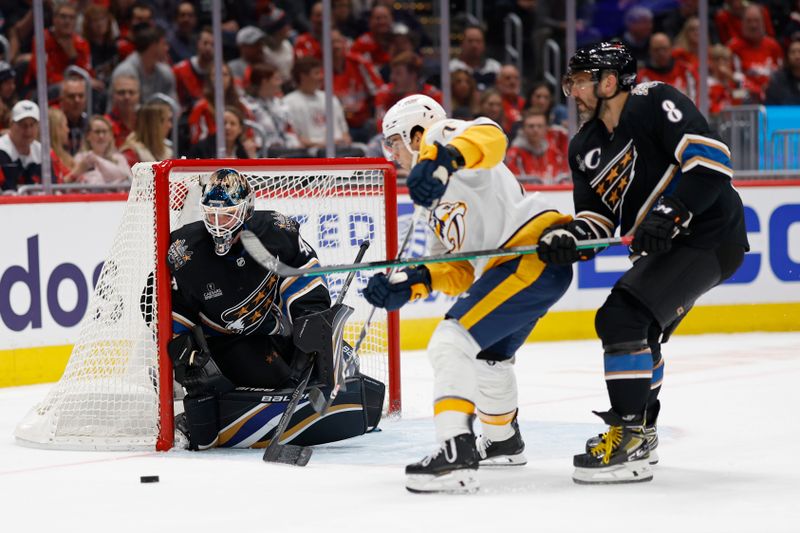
281, 221
179, 254
643, 88
448, 221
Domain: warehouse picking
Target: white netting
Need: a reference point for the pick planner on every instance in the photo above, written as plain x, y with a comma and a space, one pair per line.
108, 396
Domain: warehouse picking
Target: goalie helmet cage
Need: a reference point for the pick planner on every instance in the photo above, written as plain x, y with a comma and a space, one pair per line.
116, 392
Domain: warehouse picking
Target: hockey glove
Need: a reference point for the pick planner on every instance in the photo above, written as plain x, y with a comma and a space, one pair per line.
427, 181
391, 293
194, 368
667, 219
558, 245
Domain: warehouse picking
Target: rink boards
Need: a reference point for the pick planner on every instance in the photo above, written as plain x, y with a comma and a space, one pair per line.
53, 250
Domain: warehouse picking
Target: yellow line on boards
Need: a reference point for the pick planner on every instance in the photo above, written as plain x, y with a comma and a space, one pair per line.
26, 366
576, 325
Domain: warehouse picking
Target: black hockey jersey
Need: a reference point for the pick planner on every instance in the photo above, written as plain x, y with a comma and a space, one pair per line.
661, 146
232, 294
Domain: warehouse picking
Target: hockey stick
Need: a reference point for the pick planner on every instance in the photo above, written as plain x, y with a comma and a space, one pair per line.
419, 212
272, 263
315, 395
292, 453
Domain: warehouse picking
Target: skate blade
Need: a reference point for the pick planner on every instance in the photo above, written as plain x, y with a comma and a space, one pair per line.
518, 459
633, 472
464, 481
653, 457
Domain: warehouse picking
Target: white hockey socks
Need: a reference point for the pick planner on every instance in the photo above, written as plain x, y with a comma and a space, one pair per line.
452, 352
497, 398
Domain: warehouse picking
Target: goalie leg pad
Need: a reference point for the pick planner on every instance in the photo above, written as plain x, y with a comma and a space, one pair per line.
248, 416
452, 352
202, 421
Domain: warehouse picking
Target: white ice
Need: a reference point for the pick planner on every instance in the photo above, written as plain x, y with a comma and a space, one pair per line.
729, 433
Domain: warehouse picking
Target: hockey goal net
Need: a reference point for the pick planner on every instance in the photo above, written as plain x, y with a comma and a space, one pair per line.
117, 389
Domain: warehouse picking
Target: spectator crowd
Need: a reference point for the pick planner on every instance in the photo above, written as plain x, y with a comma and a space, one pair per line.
122, 73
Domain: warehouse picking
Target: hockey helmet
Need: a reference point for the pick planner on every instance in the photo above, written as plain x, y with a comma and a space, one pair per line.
596, 58
409, 113
227, 203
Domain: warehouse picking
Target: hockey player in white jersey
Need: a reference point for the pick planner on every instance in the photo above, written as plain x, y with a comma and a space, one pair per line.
474, 201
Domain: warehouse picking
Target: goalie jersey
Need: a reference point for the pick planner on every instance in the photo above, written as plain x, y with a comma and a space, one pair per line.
661, 146
233, 294
484, 205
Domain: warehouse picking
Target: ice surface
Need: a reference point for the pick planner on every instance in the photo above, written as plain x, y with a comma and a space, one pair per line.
729, 429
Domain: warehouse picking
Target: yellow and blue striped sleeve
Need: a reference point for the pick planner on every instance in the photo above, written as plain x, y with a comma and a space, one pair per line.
481, 146
451, 278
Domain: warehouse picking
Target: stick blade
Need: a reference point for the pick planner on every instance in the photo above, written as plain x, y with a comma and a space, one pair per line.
317, 400
288, 454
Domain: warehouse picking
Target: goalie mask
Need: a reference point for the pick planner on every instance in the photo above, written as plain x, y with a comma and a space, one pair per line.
415, 111
227, 203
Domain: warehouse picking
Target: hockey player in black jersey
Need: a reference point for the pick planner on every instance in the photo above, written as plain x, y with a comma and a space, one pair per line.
646, 162
233, 348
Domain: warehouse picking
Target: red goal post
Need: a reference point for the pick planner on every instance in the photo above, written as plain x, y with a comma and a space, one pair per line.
117, 389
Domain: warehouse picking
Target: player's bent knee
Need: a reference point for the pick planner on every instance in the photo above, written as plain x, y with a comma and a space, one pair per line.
622, 319
451, 341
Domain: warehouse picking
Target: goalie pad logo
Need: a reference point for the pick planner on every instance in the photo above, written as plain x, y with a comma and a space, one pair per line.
179, 254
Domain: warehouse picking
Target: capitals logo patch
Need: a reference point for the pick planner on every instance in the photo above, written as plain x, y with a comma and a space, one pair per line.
449, 224
179, 254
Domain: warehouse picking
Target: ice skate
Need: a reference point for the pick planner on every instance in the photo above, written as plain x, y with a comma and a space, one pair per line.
622, 455
650, 434
509, 452
452, 468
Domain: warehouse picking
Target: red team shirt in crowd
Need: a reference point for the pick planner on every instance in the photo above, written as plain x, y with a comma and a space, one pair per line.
188, 83
57, 59
355, 87
681, 76
118, 127
758, 62
682, 54
729, 26
367, 46
307, 45
512, 111
548, 168
203, 123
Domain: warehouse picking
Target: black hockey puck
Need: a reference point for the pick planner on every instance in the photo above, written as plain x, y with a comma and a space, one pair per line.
148, 479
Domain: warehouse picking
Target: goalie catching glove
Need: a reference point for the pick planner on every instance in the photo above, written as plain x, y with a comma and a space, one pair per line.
392, 292
427, 180
558, 245
663, 223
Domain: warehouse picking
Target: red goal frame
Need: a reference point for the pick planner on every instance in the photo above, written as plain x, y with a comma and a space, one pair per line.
162, 279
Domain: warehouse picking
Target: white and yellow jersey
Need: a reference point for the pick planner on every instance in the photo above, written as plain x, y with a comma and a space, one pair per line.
484, 205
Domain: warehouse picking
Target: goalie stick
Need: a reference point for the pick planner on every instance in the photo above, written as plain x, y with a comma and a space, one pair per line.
273, 264
291, 453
